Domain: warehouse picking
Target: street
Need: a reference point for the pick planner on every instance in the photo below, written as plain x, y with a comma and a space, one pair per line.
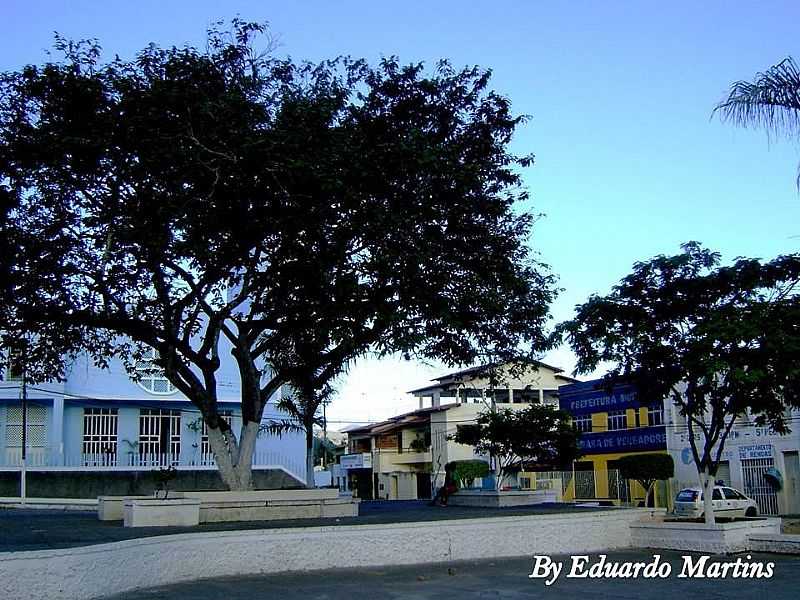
501, 578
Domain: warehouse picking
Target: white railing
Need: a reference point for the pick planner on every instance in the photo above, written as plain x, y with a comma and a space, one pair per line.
47, 458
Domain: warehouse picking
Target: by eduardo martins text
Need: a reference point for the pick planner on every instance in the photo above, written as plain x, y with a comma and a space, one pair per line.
698, 567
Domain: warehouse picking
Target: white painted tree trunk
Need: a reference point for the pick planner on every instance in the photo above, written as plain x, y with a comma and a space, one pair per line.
498, 476
310, 483
235, 458
707, 482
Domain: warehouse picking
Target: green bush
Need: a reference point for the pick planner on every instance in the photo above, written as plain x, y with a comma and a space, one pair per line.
467, 471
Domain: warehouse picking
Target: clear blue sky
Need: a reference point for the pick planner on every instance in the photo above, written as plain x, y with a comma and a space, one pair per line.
629, 163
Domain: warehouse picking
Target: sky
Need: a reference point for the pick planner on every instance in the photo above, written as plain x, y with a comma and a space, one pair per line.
629, 162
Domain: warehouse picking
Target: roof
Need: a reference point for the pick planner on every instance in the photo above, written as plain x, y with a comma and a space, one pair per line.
445, 379
416, 417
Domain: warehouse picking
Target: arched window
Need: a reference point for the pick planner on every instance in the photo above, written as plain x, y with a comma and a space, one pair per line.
151, 376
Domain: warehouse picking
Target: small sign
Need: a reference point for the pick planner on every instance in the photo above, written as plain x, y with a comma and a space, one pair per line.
362, 460
756, 451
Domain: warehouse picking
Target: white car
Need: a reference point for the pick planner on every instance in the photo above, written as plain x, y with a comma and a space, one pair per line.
726, 502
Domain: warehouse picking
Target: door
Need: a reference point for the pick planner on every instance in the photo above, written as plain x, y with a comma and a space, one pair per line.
757, 487
734, 502
718, 504
792, 482
723, 473
423, 486
393, 488
584, 480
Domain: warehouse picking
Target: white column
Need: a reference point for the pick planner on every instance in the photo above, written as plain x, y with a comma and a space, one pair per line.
541, 396
436, 401
57, 433
510, 395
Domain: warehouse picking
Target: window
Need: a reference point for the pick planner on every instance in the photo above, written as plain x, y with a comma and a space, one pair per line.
617, 419
583, 423
207, 455
655, 415
14, 370
732, 494
151, 376
159, 436
99, 436
37, 427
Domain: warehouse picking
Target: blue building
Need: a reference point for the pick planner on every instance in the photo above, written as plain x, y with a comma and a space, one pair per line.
613, 423
102, 432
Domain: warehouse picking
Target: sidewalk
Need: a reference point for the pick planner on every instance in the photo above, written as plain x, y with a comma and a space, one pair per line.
29, 529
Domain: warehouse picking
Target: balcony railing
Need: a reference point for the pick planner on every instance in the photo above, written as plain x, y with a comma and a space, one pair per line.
42, 459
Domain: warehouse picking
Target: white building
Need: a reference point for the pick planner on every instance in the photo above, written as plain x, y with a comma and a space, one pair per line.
403, 458
749, 452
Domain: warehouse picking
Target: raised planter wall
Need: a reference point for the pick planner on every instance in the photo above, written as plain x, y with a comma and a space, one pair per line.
257, 505
178, 512
501, 499
722, 538
782, 543
93, 571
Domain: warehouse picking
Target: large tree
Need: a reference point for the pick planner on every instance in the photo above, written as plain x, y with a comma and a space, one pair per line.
537, 436
771, 101
717, 341
201, 201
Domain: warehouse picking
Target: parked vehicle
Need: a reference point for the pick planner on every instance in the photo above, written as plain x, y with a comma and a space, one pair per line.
726, 502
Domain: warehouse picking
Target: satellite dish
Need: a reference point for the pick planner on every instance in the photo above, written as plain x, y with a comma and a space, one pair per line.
774, 478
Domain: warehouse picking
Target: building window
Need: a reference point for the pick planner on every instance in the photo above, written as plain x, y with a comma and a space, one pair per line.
37, 427
655, 415
617, 419
150, 376
159, 436
99, 436
206, 454
13, 370
583, 423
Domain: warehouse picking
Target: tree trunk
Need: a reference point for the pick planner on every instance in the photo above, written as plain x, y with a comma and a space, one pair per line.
707, 482
234, 460
310, 483
498, 475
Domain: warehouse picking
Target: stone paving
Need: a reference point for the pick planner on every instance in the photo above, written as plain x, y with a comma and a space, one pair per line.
23, 529
501, 578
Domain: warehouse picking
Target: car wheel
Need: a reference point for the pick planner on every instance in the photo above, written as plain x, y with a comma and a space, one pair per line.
751, 512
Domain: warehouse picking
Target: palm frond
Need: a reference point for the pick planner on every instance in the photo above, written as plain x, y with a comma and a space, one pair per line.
771, 101
279, 427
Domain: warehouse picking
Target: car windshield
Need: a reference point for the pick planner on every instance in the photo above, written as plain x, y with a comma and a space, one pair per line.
686, 496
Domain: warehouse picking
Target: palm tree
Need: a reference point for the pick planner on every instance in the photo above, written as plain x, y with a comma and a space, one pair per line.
771, 101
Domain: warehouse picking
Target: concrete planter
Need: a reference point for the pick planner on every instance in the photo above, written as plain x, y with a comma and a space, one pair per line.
257, 505
501, 499
177, 512
254, 510
721, 538
111, 508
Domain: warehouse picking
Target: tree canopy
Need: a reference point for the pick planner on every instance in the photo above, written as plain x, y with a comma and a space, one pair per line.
536, 436
718, 341
295, 215
646, 469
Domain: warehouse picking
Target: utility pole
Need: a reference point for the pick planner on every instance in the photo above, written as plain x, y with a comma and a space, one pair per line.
23, 476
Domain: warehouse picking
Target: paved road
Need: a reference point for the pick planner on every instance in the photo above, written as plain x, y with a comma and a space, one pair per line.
501, 578
23, 529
